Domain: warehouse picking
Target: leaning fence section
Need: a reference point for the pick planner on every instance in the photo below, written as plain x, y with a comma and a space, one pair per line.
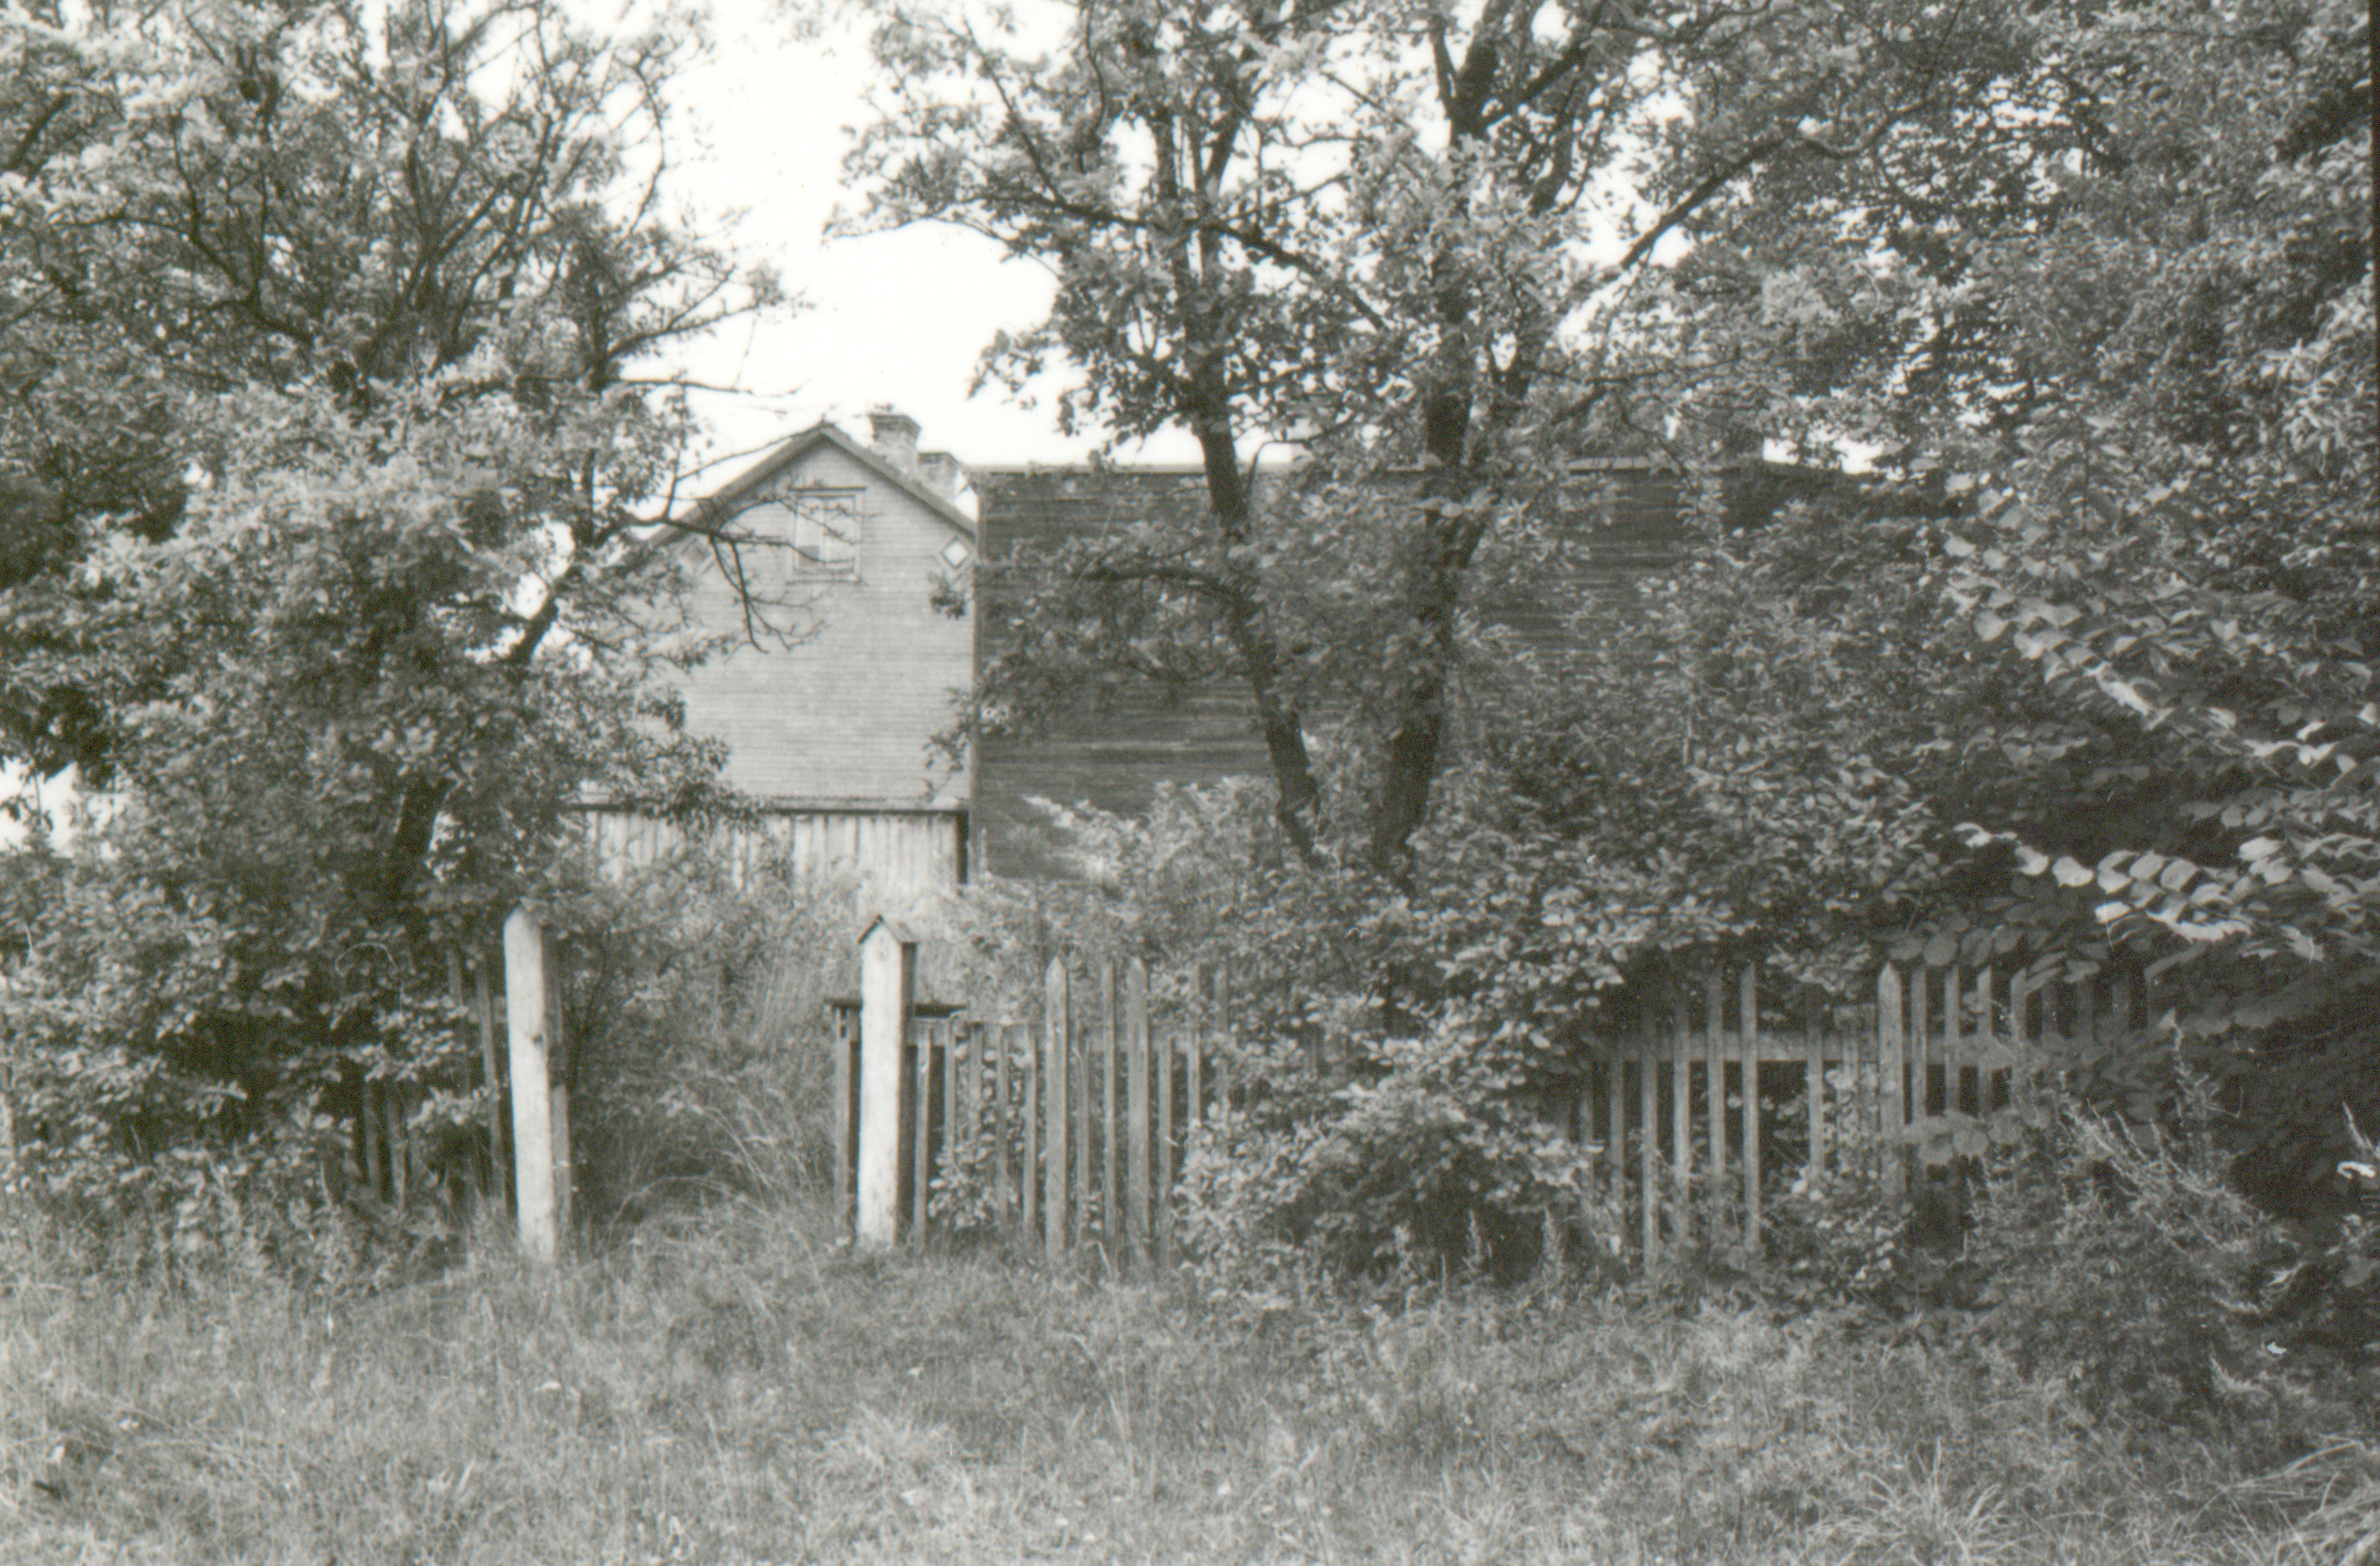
1716, 1094
516, 1157
1704, 1102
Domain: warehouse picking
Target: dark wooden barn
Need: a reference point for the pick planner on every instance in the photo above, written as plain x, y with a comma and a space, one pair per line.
1111, 743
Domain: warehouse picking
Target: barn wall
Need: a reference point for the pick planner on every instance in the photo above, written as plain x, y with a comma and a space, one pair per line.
1112, 749
887, 859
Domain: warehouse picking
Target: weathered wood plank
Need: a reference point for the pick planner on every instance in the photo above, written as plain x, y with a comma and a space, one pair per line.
1202, 1030
1648, 1135
1110, 1166
1056, 1225
1750, 984
1003, 1193
1986, 1035
400, 1146
533, 1023
1078, 1087
845, 1126
1720, 1215
1165, 1155
491, 1064
1136, 1002
1029, 1177
972, 1113
1891, 1015
368, 1117
1813, 1090
1680, 1069
1615, 1132
953, 1143
921, 1116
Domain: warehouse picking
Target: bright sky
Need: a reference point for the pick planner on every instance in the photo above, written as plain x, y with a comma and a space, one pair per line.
898, 318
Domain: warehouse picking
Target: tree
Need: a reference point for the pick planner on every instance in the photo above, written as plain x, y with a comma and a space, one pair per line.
2135, 338
204, 199
338, 481
1364, 229
2092, 287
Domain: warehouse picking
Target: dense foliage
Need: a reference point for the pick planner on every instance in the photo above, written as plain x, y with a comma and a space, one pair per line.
329, 480
1370, 229
2077, 678
2135, 669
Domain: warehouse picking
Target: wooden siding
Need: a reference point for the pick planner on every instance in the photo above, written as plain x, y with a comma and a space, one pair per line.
887, 858
1110, 749
851, 711
1114, 747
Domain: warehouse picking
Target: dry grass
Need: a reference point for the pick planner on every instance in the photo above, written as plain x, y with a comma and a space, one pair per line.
743, 1391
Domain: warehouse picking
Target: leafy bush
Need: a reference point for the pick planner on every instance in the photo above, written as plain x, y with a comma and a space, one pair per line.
371, 608
2128, 1271
2135, 1269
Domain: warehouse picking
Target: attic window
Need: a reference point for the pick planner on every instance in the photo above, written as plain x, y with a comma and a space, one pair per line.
823, 526
955, 553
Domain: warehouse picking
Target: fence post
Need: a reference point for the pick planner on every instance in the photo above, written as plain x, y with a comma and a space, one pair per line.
888, 967
532, 1025
1056, 1226
1888, 1025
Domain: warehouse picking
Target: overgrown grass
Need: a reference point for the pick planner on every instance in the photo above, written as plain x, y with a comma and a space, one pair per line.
741, 1390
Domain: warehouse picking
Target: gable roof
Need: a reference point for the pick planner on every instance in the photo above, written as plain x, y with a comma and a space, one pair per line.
723, 504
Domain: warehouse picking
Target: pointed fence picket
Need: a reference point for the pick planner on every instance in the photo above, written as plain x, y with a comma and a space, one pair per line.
1705, 1100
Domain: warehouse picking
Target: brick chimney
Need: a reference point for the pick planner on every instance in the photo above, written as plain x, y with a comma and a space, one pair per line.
895, 435
940, 469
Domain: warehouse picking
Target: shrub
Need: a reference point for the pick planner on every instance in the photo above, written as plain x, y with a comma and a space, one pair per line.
697, 993
2126, 1270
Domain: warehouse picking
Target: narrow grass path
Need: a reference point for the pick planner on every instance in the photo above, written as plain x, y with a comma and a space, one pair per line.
743, 1392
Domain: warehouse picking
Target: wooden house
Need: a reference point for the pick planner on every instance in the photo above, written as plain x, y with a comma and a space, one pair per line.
833, 564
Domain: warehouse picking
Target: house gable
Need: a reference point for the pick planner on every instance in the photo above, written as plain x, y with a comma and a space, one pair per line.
844, 549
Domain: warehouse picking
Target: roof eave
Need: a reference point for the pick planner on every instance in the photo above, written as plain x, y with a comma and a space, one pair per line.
728, 500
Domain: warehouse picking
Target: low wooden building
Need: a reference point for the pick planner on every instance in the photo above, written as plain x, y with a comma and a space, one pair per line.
846, 576
1110, 744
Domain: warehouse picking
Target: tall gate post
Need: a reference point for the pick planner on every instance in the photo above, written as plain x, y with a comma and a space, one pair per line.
1891, 1036
541, 1108
887, 969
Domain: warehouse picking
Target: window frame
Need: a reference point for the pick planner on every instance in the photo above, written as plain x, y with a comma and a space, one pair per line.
804, 565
